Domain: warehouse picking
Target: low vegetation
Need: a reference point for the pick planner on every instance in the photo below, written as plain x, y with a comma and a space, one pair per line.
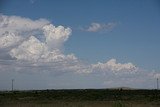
81, 98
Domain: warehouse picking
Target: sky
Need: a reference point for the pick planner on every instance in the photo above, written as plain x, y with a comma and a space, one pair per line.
57, 44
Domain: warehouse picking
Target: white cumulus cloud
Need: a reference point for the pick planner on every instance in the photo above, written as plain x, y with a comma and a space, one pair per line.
56, 36
9, 39
40, 48
19, 25
113, 65
31, 49
35, 46
45, 46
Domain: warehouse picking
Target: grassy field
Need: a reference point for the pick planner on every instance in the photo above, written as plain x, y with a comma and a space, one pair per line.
81, 98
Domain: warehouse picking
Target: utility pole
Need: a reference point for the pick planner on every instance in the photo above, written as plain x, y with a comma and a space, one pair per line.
157, 84
12, 84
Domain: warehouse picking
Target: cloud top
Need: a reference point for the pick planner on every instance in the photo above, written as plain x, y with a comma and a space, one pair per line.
55, 36
17, 24
112, 65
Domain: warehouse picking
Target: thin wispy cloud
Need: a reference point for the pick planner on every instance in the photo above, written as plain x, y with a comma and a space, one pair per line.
32, 1
100, 27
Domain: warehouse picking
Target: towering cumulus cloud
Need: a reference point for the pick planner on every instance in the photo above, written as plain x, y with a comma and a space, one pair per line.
56, 36
37, 41
36, 45
34, 50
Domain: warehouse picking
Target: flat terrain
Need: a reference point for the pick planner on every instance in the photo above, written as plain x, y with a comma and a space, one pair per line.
81, 98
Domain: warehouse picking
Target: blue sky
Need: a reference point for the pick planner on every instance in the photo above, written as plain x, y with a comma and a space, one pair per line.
135, 37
